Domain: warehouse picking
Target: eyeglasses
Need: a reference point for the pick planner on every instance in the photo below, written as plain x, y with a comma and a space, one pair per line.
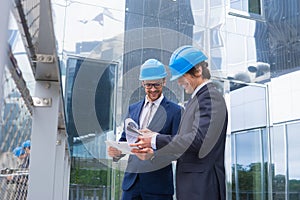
150, 85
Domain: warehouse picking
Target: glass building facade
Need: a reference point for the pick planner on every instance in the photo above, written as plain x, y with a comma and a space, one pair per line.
250, 45
253, 48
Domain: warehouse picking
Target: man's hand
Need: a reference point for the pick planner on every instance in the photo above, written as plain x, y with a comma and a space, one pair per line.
144, 141
114, 152
143, 154
147, 133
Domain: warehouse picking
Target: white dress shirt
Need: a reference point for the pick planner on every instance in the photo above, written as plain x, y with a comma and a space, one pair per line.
153, 138
146, 108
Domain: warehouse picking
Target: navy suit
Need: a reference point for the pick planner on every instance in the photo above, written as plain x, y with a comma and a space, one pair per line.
198, 147
165, 121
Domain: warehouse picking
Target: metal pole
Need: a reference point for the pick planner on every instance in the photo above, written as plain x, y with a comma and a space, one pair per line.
4, 10
59, 166
44, 137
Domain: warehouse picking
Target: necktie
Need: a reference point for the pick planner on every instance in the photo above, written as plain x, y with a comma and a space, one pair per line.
148, 116
186, 103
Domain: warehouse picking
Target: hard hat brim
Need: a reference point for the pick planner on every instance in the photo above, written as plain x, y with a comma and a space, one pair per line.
175, 77
153, 78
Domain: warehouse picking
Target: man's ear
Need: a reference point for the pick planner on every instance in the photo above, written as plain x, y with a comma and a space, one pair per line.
198, 71
164, 82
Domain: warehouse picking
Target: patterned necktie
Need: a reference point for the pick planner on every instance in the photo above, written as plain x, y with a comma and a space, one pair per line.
148, 116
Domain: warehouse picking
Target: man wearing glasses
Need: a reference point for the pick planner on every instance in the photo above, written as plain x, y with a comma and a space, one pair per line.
199, 146
154, 112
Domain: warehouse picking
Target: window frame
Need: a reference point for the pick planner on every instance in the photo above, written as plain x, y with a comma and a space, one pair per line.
247, 14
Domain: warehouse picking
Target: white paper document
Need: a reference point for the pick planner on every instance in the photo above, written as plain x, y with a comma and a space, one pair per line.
122, 146
132, 131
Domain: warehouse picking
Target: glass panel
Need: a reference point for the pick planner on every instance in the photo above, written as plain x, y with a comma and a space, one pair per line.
233, 190
278, 162
254, 6
86, 24
245, 101
249, 6
290, 111
239, 5
132, 31
265, 170
90, 97
293, 161
249, 165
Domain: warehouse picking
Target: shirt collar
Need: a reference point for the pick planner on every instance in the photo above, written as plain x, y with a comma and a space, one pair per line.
198, 88
156, 102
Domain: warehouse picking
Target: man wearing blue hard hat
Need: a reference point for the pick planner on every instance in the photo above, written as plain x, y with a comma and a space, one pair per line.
26, 146
19, 180
157, 113
19, 152
200, 143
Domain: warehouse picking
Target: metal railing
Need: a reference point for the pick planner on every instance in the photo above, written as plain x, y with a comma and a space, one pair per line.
13, 184
79, 192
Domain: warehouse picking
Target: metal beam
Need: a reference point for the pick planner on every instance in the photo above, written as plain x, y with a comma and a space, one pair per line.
43, 138
25, 30
49, 157
46, 47
16, 74
4, 10
60, 165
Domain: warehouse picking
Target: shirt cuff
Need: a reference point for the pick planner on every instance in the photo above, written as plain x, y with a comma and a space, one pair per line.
153, 141
117, 158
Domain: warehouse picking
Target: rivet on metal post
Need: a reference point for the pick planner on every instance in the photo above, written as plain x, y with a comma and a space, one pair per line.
42, 102
58, 142
43, 58
47, 85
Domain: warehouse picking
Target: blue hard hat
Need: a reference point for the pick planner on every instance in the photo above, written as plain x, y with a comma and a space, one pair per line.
18, 151
26, 144
183, 59
152, 69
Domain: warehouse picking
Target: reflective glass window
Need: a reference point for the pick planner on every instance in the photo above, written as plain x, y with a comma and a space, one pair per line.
293, 160
250, 6
249, 165
278, 162
90, 89
232, 191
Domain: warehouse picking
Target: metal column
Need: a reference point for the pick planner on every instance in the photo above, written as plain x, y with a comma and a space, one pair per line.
49, 155
44, 135
49, 159
4, 10
60, 164
67, 167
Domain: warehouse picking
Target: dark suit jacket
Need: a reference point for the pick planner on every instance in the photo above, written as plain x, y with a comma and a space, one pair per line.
199, 147
165, 121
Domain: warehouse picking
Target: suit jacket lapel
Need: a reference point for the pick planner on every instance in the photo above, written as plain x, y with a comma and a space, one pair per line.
135, 115
193, 104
